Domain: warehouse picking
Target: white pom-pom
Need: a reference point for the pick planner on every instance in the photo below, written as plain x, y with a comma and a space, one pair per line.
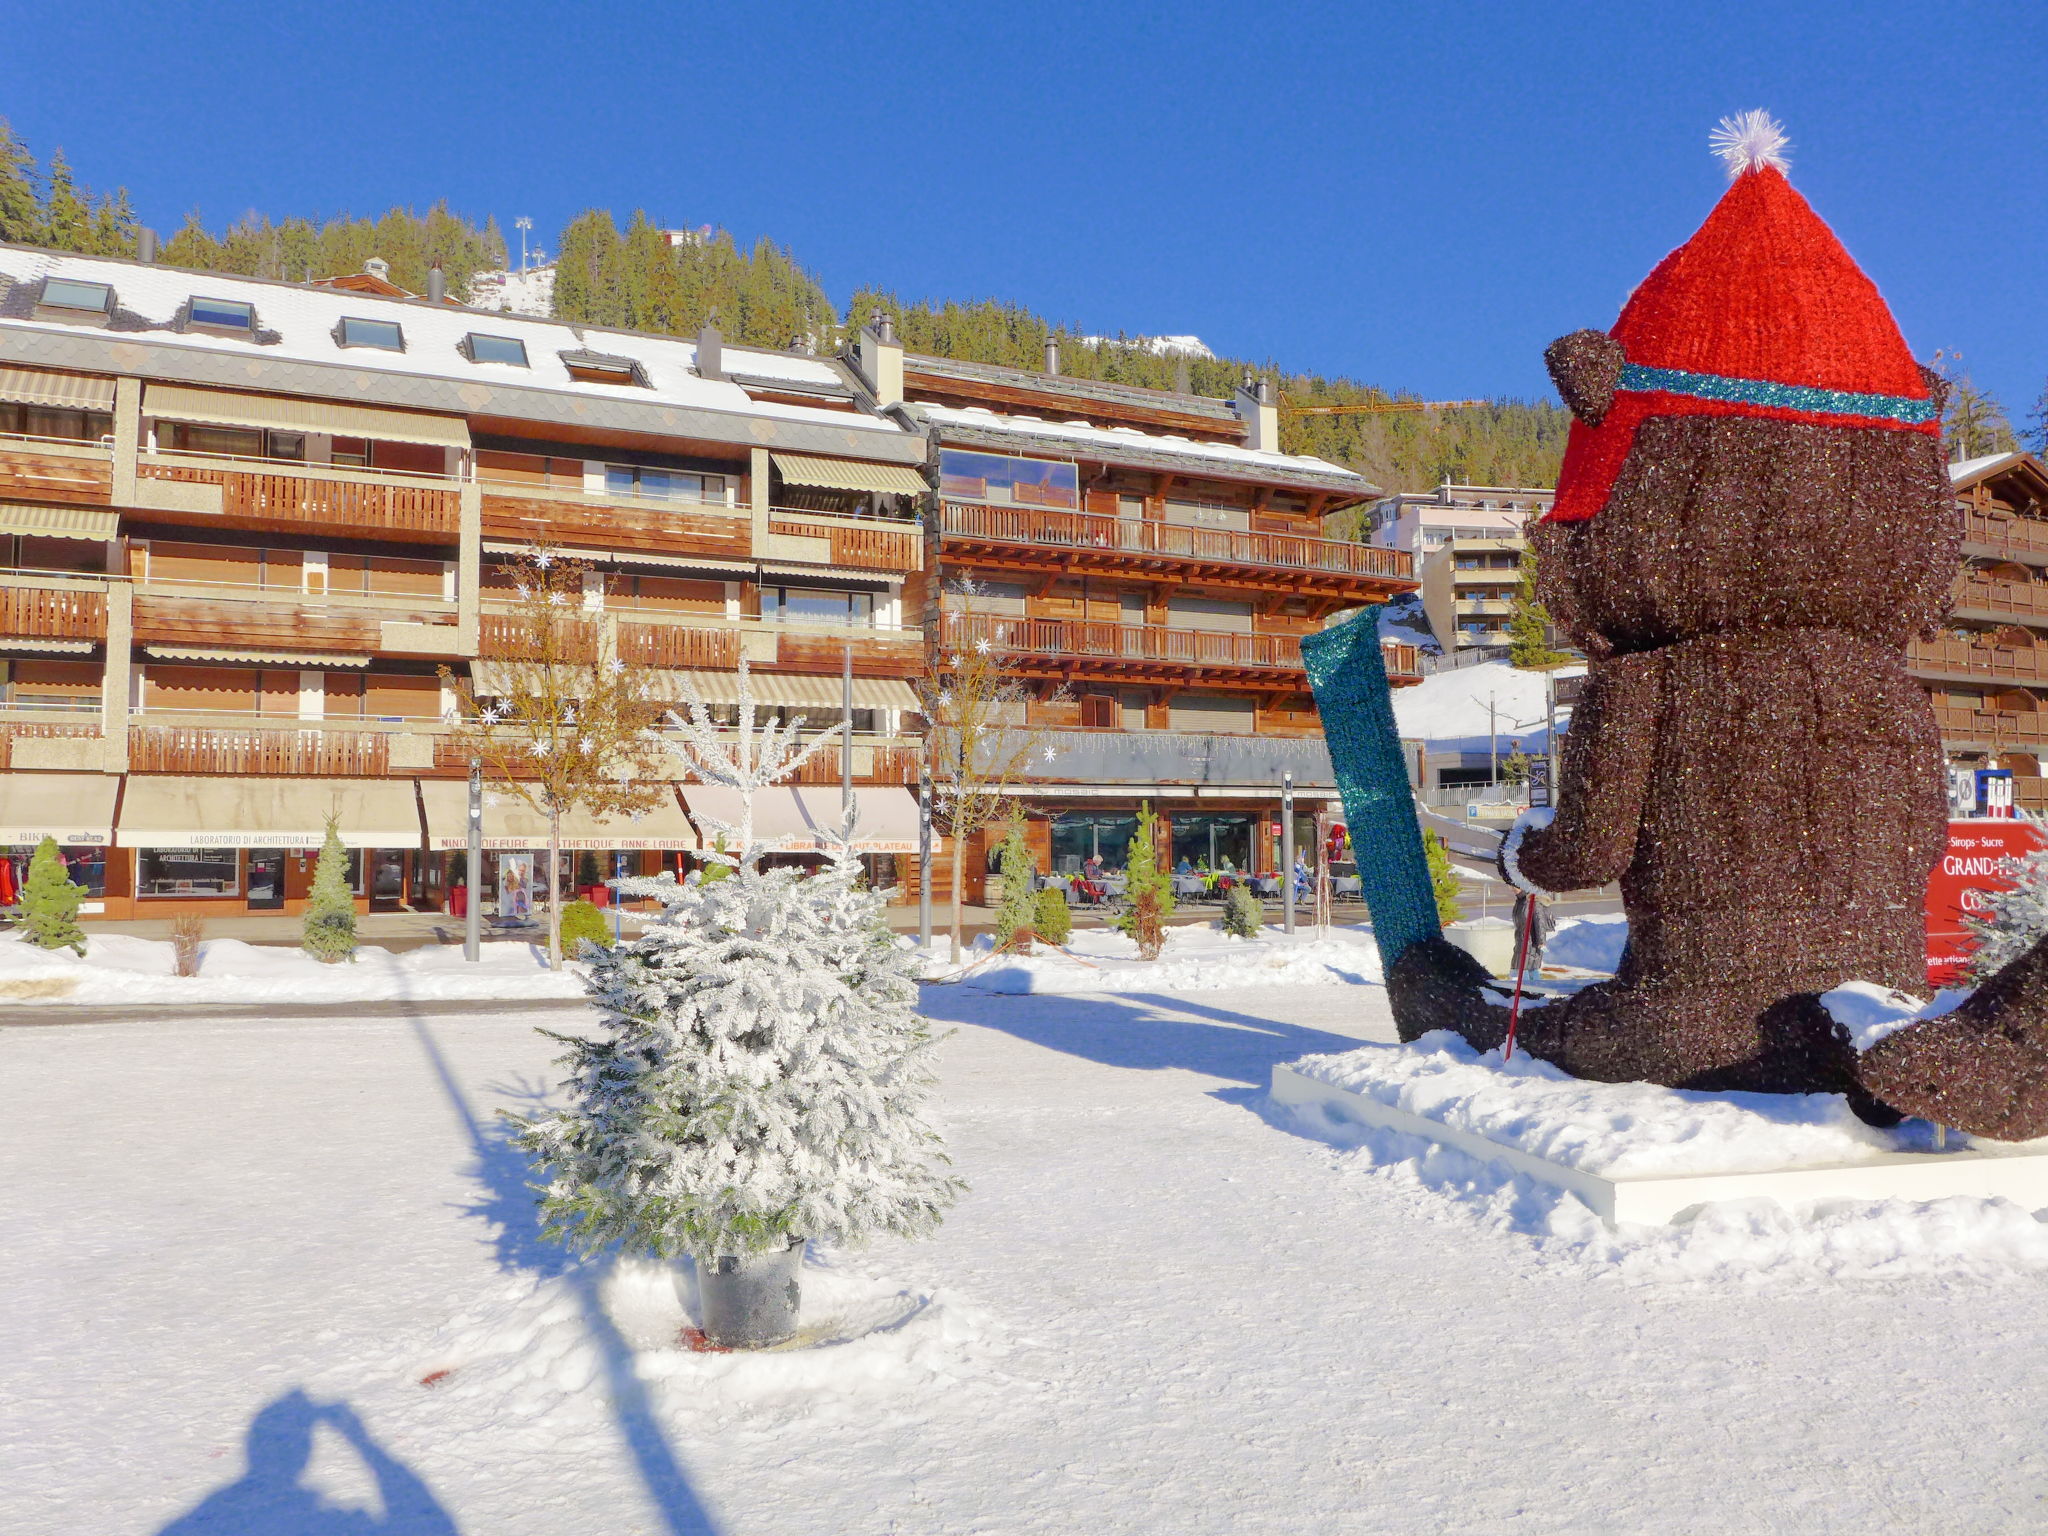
1749, 141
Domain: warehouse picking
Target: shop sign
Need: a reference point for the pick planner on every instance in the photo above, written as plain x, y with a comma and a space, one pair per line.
1970, 868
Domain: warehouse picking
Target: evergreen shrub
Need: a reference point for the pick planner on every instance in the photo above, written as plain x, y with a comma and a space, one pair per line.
328, 932
582, 920
1054, 919
49, 901
1243, 913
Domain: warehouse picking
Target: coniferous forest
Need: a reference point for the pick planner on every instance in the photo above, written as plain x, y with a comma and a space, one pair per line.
637, 278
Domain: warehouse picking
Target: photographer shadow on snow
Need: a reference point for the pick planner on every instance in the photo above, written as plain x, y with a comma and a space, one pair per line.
507, 1205
273, 1498
1148, 1032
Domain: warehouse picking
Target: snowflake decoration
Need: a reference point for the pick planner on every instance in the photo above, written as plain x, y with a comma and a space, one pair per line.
544, 559
1051, 755
982, 647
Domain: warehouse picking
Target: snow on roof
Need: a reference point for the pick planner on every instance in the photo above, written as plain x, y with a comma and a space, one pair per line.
1225, 454
1449, 709
1970, 469
297, 323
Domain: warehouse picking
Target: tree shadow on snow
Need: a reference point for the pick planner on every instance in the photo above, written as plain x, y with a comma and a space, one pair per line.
1148, 1032
506, 1203
271, 1497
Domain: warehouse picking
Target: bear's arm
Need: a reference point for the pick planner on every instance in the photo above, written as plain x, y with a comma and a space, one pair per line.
1604, 771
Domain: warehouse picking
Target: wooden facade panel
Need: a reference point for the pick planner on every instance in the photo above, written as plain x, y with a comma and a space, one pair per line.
872, 657
239, 753
27, 475
877, 548
15, 730
680, 529
200, 621
677, 645
53, 613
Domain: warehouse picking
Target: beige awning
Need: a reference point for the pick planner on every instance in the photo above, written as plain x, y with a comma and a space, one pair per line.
630, 557
840, 572
60, 522
804, 818
849, 475
31, 386
77, 809
509, 823
161, 811
220, 408
262, 658
789, 688
56, 647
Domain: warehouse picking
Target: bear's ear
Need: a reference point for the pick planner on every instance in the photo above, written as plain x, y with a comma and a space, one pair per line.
1586, 367
1937, 389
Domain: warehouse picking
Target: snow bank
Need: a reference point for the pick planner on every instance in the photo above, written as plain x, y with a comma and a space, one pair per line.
1637, 1128
1592, 943
538, 1344
1198, 958
118, 968
1449, 709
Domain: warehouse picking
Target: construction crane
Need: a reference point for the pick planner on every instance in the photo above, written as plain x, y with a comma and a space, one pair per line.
1375, 407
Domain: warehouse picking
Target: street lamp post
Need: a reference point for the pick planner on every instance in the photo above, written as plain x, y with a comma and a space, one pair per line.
473, 912
1287, 846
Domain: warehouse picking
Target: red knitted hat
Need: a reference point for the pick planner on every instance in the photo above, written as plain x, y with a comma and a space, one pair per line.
1761, 313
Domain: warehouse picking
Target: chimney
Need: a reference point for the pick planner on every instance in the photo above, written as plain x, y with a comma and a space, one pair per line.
710, 354
1052, 354
378, 267
145, 244
1254, 406
878, 357
437, 285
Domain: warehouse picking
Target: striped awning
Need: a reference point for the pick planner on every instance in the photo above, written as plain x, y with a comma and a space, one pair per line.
60, 522
54, 647
789, 688
632, 557
163, 811
849, 475
32, 386
219, 407
267, 658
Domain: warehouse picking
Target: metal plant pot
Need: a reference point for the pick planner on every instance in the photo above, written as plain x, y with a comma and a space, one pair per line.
750, 1301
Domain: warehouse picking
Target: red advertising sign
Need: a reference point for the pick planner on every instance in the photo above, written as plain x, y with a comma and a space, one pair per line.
1967, 869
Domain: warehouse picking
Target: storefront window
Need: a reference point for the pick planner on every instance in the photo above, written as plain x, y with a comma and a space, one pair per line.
1078, 838
85, 866
188, 872
1213, 842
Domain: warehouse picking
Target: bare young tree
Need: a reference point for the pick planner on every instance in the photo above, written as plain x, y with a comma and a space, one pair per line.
563, 727
978, 738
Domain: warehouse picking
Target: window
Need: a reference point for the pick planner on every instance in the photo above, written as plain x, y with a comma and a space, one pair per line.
664, 484
816, 605
384, 335
63, 293
222, 315
597, 368
54, 421
496, 349
241, 442
350, 452
1003, 478
187, 872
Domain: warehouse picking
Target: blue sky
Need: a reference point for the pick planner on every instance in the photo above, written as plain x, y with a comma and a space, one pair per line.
1420, 195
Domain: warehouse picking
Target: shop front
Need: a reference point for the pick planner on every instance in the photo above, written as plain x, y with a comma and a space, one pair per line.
802, 823
77, 811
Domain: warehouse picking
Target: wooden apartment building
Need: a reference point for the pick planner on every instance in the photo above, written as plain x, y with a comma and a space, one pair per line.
1148, 561
244, 523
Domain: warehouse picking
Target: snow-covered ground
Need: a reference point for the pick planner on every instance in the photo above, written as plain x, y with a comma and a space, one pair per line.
1199, 957
1449, 709
241, 1255
119, 968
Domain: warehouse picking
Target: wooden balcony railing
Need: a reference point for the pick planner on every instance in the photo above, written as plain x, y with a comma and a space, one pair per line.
53, 613
871, 765
2003, 726
572, 518
1124, 642
75, 473
870, 546
2022, 599
334, 505
2005, 532
505, 637
2020, 663
257, 750
1049, 529
876, 653
674, 645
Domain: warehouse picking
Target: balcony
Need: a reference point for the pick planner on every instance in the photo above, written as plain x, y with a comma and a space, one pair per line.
288, 618
820, 538
717, 642
19, 724
2005, 534
36, 605
1403, 662
1952, 657
526, 513
240, 742
1040, 538
267, 493
1994, 727
1990, 597
56, 469
1063, 647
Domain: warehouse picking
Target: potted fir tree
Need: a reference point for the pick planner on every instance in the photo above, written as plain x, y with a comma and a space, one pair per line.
759, 1072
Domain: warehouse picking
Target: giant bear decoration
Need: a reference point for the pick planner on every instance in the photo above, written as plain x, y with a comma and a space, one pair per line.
1752, 520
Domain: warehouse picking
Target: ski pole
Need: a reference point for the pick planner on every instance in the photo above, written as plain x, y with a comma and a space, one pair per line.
1521, 959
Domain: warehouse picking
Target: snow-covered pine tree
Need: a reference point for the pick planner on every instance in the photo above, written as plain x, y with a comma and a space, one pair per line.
1018, 915
49, 901
1243, 914
328, 931
760, 1070
2011, 920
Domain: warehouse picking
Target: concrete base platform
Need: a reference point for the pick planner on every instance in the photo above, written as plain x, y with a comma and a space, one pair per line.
1982, 1170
